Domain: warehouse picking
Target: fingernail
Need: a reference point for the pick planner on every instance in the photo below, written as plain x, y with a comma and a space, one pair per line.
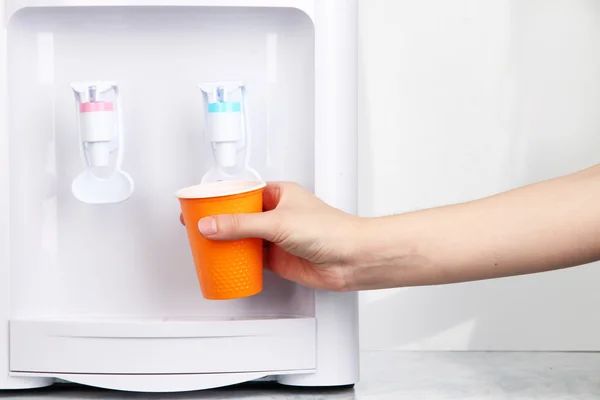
207, 226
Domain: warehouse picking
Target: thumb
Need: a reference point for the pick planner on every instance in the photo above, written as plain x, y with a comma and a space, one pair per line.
239, 226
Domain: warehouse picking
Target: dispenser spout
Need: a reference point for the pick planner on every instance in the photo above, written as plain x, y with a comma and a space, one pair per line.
97, 121
225, 121
98, 129
100, 135
227, 130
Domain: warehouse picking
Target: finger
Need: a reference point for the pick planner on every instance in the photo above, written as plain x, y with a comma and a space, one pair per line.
240, 226
272, 195
292, 268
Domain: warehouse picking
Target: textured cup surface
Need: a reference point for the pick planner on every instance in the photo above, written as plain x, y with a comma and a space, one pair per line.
226, 269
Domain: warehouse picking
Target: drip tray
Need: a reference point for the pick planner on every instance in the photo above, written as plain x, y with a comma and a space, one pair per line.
174, 345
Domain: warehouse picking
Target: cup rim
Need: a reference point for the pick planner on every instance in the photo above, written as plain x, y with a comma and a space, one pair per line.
219, 189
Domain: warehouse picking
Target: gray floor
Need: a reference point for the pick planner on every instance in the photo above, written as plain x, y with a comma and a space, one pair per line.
414, 376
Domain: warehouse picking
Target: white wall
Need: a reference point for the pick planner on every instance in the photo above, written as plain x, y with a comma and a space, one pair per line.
463, 99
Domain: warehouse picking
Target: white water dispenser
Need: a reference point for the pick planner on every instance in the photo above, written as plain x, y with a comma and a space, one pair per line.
107, 107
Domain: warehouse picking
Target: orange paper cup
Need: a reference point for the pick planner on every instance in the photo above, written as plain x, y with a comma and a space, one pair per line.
226, 269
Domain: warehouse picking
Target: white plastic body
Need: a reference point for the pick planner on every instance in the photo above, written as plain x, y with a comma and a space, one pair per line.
225, 131
88, 290
97, 131
336, 180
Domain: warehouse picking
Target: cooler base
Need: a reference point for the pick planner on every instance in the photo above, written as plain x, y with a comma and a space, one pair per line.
160, 383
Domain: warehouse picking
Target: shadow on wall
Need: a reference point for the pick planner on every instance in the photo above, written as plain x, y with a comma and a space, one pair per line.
550, 120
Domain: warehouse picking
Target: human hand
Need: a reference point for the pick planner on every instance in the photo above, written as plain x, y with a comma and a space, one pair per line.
309, 242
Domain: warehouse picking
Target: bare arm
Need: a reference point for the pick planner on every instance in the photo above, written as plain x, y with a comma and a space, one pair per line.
546, 226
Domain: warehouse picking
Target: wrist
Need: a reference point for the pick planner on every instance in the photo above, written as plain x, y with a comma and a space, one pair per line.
389, 252
379, 253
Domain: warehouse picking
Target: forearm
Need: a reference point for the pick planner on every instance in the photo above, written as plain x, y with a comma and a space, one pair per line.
546, 226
